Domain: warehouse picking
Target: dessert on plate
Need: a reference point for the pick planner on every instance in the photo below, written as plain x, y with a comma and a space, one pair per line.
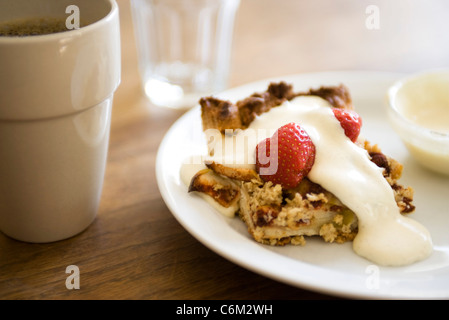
293, 165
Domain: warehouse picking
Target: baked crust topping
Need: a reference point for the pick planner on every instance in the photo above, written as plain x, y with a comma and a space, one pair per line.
222, 114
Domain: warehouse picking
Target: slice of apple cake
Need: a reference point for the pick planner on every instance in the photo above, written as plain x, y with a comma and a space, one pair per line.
273, 213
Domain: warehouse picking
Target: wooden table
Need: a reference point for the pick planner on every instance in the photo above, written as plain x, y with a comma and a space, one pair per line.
135, 249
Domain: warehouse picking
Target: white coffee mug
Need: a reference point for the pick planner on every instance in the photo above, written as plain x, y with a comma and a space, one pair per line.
55, 106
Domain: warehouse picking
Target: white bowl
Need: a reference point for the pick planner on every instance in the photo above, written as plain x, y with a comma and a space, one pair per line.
419, 112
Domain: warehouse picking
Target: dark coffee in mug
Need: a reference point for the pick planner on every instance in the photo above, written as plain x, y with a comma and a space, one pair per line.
32, 27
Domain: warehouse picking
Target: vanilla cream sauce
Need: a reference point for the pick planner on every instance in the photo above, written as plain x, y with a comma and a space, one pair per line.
432, 116
425, 102
385, 237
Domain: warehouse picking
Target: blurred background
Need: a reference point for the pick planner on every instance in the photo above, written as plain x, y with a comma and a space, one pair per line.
282, 37
289, 36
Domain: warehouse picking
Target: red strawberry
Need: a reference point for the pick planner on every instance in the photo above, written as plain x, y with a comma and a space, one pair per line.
350, 121
287, 157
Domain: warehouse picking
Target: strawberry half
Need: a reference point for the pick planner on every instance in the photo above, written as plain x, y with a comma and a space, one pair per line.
287, 157
350, 121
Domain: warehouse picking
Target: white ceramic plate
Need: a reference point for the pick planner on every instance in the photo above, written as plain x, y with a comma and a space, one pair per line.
328, 268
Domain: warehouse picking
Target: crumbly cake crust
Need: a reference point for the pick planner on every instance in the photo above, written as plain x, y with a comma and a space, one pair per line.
222, 114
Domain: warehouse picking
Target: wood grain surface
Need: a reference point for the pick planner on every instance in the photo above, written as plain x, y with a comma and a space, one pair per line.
135, 249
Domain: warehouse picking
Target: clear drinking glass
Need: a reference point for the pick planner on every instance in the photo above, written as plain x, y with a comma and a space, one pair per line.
184, 48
